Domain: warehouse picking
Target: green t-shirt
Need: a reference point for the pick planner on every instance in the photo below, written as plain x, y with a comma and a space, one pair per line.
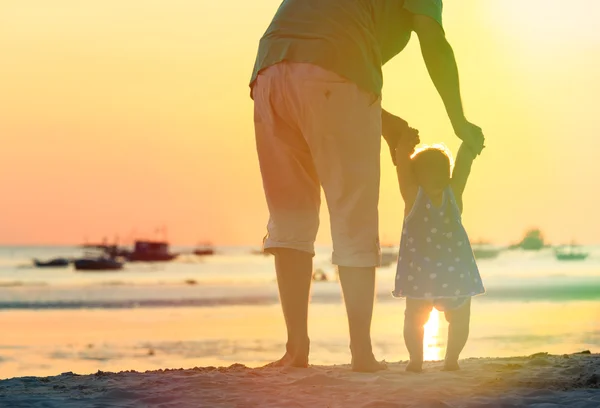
353, 38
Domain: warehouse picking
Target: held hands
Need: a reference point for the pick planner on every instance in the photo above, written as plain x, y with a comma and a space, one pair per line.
407, 142
402, 139
396, 132
472, 136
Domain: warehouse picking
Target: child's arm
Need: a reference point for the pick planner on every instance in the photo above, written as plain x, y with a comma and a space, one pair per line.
409, 186
462, 169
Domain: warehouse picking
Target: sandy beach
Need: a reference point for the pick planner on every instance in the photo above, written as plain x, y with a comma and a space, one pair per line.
541, 380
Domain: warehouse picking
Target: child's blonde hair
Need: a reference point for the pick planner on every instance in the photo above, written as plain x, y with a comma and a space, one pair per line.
425, 152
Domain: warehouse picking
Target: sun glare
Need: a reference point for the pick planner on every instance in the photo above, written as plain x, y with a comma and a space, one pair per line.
432, 350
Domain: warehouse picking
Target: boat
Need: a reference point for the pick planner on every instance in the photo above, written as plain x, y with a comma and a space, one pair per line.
109, 250
204, 250
572, 254
151, 251
53, 263
97, 264
485, 251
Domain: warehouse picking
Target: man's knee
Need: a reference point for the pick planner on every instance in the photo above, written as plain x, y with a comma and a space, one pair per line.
289, 252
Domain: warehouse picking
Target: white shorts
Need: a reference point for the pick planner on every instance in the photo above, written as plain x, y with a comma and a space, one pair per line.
315, 128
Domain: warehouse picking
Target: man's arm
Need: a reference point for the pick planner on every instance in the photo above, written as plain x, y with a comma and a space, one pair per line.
461, 172
441, 64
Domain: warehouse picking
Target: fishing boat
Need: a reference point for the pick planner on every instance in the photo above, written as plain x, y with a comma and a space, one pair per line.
570, 254
52, 263
483, 250
151, 251
204, 250
97, 264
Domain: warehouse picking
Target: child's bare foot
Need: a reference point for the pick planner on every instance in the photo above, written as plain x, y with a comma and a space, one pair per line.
415, 366
451, 366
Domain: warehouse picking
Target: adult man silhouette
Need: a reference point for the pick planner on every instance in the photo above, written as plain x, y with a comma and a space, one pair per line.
318, 119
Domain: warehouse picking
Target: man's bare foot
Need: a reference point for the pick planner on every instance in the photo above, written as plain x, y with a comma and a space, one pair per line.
415, 367
368, 365
289, 360
451, 366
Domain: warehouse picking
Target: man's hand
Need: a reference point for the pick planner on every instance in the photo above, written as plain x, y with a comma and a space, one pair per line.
393, 129
409, 140
473, 137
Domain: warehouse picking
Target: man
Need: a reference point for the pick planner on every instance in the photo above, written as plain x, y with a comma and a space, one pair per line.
316, 87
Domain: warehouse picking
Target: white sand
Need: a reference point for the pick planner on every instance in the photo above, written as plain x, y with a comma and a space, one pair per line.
540, 381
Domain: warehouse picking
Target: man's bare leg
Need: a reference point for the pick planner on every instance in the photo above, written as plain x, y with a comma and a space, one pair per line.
294, 275
358, 286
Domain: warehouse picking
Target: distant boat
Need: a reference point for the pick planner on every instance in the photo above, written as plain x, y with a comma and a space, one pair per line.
485, 252
571, 254
53, 263
151, 251
204, 250
111, 251
115, 251
97, 264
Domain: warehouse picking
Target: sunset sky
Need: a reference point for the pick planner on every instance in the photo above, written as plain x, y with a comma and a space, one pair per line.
117, 117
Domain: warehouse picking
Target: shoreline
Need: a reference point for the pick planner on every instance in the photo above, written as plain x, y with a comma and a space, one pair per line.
540, 380
114, 295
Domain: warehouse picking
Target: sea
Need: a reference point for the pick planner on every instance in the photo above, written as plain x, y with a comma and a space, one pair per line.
223, 309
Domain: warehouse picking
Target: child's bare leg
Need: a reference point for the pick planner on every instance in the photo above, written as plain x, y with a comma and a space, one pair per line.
416, 315
458, 333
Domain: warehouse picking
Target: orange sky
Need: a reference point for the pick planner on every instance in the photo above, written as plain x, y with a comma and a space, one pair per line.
118, 117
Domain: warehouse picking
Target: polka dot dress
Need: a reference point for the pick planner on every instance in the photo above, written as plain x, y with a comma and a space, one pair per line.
436, 260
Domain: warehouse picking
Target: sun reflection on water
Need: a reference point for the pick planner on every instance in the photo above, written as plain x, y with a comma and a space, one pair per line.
431, 348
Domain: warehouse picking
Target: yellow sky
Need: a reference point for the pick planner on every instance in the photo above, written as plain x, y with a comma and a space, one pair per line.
121, 116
